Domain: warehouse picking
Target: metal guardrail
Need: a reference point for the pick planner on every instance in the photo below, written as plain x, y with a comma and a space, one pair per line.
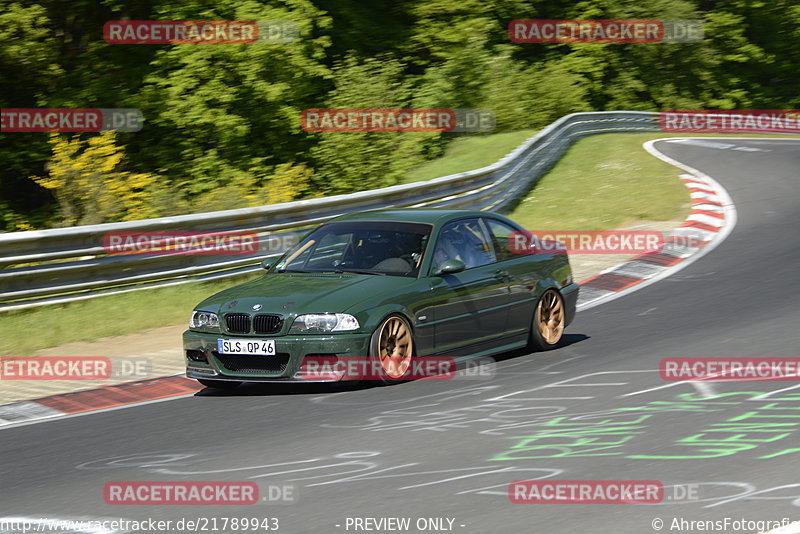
44, 267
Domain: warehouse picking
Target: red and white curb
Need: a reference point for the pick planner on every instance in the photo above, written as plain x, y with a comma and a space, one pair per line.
712, 219
99, 399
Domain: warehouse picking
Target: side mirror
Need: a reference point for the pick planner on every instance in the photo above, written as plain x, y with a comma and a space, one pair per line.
269, 261
451, 266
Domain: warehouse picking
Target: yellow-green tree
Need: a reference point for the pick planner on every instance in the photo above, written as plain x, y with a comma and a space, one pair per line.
287, 182
87, 180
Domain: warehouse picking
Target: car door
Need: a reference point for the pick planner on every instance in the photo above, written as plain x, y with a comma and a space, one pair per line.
469, 308
524, 272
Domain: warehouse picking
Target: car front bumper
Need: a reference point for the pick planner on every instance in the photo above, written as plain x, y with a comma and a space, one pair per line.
204, 362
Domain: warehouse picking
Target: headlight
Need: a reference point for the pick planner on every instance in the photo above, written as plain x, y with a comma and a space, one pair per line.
201, 319
327, 322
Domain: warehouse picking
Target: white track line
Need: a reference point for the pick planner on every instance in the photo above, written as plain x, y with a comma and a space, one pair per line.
729, 209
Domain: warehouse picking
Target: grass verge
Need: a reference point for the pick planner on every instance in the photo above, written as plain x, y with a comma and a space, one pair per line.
469, 153
25, 331
604, 181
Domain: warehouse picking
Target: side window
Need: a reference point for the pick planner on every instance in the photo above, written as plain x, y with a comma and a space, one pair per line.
500, 233
463, 240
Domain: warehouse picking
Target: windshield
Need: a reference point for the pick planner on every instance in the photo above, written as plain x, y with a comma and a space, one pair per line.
364, 247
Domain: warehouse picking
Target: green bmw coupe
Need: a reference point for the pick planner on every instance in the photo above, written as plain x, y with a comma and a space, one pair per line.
390, 287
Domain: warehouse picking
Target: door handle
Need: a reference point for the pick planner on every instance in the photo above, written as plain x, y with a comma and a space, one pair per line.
501, 274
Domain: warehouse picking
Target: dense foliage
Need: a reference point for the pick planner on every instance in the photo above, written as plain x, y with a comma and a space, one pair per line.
222, 121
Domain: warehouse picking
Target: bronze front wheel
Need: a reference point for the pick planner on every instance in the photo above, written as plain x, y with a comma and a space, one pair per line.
393, 348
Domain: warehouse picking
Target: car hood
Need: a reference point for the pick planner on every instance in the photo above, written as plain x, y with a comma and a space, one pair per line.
297, 293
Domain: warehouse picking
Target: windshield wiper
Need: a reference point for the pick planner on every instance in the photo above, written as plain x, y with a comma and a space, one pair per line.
358, 271
335, 271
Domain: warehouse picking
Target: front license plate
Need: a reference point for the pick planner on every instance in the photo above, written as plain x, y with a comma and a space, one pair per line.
258, 347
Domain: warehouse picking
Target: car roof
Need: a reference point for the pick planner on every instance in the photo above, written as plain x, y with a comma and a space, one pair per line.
436, 216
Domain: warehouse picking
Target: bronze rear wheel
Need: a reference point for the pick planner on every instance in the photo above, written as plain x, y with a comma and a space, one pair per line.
548, 321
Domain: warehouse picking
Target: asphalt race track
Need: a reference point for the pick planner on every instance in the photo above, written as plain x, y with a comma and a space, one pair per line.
594, 409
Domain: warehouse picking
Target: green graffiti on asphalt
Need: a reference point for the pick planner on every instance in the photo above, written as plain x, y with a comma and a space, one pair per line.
615, 434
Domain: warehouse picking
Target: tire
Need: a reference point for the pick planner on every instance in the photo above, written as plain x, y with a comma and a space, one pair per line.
219, 384
393, 360
547, 327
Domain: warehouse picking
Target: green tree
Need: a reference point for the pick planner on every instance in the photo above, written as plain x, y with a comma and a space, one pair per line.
355, 161
218, 114
28, 71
